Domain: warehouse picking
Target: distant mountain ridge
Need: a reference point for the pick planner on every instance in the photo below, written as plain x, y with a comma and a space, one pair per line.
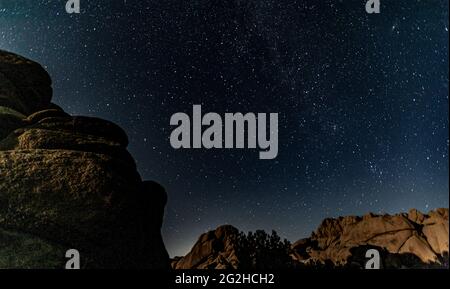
404, 240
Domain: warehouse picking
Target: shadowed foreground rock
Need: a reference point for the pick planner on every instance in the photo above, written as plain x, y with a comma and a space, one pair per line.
69, 182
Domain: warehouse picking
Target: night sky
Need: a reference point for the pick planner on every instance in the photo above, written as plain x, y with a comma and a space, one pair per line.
362, 100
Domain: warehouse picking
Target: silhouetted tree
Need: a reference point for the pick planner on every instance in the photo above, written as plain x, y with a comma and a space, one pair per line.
261, 251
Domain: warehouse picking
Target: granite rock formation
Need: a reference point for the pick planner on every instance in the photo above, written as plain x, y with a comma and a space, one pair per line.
423, 237
406, 240
69, 182
213, 250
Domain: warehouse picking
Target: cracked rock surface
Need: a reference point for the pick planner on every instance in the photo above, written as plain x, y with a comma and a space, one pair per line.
422, 236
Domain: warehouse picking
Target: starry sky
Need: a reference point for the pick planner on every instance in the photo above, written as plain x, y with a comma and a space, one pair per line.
362, 100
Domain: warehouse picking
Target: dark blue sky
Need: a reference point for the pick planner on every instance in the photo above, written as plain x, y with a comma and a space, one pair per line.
362, 99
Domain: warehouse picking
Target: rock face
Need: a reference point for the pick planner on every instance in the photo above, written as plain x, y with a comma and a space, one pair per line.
69, 182
407, 240
24, 85
423, 237
213, 250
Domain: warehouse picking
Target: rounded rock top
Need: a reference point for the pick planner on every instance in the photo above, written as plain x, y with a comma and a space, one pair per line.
25, 85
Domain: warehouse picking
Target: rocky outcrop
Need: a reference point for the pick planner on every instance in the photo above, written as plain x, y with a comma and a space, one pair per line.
24, 85
407, 240
413, 234
69, 182
213, 250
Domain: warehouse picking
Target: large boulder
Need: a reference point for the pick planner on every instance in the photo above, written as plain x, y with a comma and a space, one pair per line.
68, 182
213, 250
24, 85
69, 133
423, 236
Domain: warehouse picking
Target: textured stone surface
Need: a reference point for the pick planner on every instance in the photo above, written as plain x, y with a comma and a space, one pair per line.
43, 114
213, 250
24, 85
69, 182
422, 235
23, 251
